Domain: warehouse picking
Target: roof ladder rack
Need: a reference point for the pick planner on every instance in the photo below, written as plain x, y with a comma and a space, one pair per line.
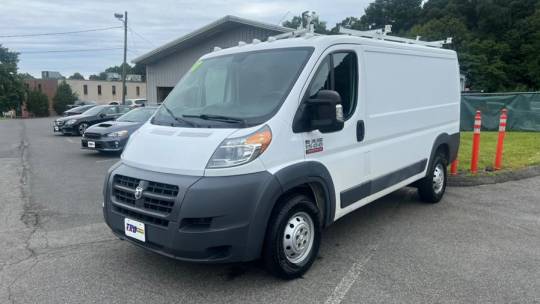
307, 31
382, 34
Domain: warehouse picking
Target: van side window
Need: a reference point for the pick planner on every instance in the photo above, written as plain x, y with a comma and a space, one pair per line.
338, 73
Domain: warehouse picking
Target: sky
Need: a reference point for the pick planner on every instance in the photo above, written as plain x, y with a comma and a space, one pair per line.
151, 23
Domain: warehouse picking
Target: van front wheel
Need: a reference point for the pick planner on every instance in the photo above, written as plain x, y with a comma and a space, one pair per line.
432, 187
293, 238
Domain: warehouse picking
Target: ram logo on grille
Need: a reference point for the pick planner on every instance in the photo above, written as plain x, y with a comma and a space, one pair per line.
138, 192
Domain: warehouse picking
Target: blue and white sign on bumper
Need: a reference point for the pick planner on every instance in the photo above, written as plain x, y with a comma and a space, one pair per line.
134, 229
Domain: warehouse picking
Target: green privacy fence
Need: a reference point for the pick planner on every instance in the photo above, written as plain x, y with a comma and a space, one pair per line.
523, 110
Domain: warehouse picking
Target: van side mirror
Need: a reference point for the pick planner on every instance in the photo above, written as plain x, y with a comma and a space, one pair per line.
322, 112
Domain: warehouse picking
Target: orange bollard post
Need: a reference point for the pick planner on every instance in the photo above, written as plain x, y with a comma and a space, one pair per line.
453, 167
476, 142
500, 141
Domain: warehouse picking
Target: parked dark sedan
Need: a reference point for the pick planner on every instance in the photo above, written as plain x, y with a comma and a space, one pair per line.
113, 135
78, 110
77, 124
79, 103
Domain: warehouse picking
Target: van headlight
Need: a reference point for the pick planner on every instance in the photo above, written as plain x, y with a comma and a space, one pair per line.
118, 133
240, 150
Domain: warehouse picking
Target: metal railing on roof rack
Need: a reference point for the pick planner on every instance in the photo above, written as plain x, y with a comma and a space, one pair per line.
382, 34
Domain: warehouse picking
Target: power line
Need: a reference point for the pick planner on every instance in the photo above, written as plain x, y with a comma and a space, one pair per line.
70, 51
133, 31
61, 33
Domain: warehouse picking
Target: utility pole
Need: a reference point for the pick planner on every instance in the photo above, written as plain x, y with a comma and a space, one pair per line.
124, 19
124, 89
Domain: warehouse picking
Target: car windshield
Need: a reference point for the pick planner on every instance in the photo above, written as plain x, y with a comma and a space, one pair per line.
244, 89
94, 111
137, 115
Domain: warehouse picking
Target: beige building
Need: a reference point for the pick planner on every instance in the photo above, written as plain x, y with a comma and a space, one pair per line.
104, 92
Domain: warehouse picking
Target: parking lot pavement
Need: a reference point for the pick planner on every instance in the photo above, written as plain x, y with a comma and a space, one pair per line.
480, 244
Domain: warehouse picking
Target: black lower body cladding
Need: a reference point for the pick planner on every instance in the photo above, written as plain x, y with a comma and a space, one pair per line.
212, 219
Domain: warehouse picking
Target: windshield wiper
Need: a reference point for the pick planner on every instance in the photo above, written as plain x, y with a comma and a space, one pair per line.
178, 119
221, 118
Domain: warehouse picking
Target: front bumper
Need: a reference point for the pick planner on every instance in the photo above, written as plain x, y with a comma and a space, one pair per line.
68, 129
212, 219
104, 144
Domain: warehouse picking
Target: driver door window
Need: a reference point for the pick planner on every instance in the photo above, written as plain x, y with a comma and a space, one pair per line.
338, 72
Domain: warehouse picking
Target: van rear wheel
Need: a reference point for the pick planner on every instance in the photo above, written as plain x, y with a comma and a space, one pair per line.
293, 238
432, 187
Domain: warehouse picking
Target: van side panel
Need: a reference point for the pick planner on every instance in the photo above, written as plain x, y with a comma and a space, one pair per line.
410, 98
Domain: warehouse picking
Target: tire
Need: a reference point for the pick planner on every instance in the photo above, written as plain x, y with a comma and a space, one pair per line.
82, 127
432, 187
296, 219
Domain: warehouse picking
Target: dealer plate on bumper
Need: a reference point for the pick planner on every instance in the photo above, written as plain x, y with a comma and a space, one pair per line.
134, 229
91, 144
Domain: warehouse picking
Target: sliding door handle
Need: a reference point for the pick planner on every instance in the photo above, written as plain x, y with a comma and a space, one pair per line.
360, 130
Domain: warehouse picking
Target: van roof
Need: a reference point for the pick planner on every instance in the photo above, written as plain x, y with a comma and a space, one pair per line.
322, 42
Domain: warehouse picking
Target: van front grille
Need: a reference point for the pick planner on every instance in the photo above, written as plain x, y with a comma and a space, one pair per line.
156, 197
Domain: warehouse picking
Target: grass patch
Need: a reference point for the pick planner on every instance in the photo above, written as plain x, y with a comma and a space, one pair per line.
521, 149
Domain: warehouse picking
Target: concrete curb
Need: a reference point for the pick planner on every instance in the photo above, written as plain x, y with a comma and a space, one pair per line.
468, 181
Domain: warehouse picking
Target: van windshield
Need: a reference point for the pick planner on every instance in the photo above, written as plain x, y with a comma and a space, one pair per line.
237, 90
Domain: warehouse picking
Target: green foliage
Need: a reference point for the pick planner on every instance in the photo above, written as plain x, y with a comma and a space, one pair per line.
64, 96
25, 76
11, 85
77, 76
402, 14
497, 41
294, 23
93, 77
37, 103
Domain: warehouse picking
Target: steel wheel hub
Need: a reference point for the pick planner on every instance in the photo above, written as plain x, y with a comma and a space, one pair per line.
298, 237
438, 178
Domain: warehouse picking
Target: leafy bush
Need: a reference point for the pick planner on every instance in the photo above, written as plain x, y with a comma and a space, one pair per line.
11, 86
64, 96
37, 104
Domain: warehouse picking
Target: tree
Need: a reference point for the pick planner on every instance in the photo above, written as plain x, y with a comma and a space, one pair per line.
93, 77
11, 85
139, 69
77, 76
401, 14
37, 103
296, 21
25, 76
64, 96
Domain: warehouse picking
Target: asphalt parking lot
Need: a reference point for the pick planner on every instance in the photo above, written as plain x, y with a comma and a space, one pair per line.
479, 245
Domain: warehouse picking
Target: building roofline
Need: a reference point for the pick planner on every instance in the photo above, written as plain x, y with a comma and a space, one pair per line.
158, 52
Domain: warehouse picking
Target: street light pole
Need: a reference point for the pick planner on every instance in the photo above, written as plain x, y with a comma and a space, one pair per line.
125, 63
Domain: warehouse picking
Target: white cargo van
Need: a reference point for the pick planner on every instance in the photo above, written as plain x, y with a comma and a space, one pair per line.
261, 146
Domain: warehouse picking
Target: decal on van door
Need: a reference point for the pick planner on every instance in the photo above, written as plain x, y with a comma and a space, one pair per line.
314, 145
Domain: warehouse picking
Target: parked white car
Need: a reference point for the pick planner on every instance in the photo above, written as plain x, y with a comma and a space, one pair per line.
260, 146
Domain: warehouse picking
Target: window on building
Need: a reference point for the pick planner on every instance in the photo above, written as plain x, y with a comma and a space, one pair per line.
85, 89
114, 90
138, 91
39, 87
99, 89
